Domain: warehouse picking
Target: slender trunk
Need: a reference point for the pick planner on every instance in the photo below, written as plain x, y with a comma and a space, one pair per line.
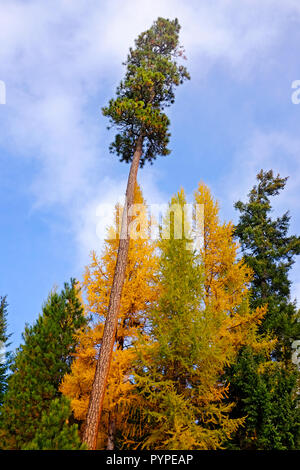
104, 360
111, 432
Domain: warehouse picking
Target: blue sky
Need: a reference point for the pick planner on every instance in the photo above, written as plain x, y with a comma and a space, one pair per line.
61, 61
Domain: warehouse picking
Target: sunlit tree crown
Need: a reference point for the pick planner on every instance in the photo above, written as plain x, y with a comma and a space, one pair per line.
151, 76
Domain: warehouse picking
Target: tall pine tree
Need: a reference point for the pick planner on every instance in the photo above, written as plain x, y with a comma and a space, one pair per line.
265, 388
137, 112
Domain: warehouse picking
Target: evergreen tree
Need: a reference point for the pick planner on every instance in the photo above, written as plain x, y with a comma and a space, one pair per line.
54, 431
137, 112
4, 355
40, 364
265, 387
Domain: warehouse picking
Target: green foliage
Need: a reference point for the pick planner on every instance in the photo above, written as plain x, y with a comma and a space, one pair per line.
40, 364
151, 75
178, 369
265, 387
270, 252
269, 399
54, 431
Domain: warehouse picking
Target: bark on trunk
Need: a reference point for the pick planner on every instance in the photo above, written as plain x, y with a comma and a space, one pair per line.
104, 360
111, 432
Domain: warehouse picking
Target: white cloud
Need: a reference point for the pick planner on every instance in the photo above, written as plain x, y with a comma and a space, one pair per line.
280, 152
97, 214
58, 58
92, 222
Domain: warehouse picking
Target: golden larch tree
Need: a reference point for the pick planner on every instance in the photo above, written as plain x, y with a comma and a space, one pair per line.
140, 290
198, 324
227, 278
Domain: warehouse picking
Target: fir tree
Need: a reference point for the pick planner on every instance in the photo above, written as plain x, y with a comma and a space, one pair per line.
40, 364
265, 387
54, 431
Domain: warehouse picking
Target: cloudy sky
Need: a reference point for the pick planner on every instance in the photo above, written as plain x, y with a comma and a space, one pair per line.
61, 61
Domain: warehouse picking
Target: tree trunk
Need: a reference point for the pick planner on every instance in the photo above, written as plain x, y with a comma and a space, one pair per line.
104, 360
111, 432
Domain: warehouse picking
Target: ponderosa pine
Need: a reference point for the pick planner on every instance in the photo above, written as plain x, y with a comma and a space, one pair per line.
137, 112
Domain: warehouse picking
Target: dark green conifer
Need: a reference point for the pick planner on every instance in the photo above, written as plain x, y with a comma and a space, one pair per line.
265, 388
54, 431
40, 364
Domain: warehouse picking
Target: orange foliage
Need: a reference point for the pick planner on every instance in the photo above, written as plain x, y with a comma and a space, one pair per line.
140, 290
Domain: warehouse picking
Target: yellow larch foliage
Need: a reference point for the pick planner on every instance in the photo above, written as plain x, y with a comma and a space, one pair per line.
139, 291
199, 323
227, 280
180, 371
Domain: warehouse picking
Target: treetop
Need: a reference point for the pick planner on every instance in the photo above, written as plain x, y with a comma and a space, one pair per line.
152, 72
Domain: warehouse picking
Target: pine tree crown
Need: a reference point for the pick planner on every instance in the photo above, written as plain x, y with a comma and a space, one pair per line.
148, 87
